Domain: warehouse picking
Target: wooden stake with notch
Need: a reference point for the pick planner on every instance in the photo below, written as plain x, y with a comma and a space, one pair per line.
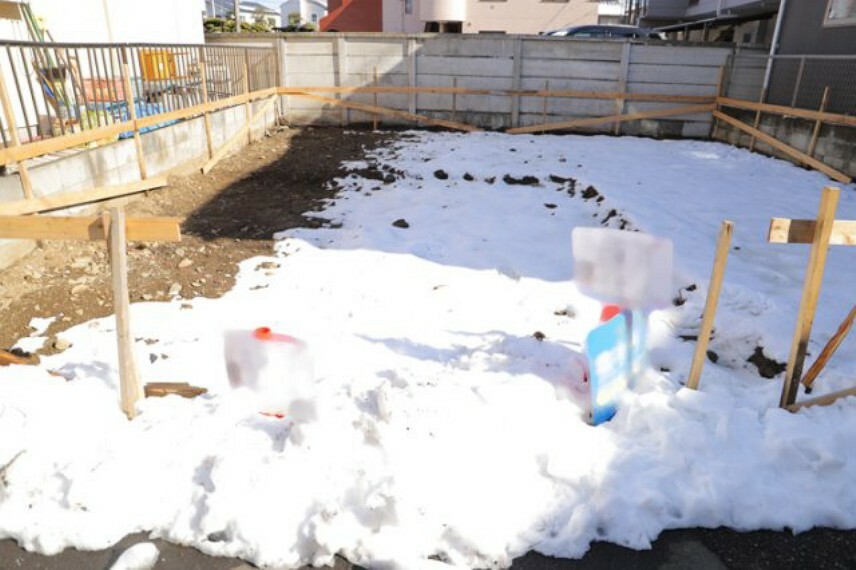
810, 293
723, 246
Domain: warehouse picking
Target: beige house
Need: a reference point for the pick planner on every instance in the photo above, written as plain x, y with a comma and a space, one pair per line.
486, 16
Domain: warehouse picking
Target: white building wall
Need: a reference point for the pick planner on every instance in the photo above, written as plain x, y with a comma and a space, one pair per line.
396, 18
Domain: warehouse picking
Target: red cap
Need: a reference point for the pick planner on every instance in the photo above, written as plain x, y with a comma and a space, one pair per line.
265, 333
608, 312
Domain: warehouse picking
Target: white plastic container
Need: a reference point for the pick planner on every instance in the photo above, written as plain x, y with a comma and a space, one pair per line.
275, 368
631, 269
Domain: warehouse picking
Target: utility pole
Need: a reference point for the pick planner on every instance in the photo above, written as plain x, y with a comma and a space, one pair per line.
238, 16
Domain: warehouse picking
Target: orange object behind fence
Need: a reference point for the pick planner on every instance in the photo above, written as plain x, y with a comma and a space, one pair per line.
157, 65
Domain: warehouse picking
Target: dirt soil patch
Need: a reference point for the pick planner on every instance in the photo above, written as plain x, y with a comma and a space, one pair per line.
230, 215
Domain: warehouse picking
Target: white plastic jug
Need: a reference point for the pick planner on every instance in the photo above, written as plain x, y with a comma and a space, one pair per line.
275, 368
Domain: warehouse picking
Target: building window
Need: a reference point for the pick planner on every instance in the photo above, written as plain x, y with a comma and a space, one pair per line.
840, 13
408, 6
314, 18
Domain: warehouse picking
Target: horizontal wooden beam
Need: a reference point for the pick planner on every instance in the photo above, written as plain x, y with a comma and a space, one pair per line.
786, 230
822, 400
501, 93
788, 150
789, 111
242, 132
68, 199
55, 144
588, 122
86, 228
183, 389
387, 111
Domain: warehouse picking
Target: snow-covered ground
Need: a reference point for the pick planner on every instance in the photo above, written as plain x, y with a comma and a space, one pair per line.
447, 433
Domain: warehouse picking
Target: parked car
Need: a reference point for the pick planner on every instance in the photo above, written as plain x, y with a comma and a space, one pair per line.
607, 32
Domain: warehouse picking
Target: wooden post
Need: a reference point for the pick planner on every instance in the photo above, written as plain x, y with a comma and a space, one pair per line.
828, 350
720, 78
544, 104
248, 111
206, 118
410, 54
374, 120
9, 114
622, 84
454, 98
723, 245
516, 74
114, 227
819, 123
132, 113
341, 62
757, 119
811, 290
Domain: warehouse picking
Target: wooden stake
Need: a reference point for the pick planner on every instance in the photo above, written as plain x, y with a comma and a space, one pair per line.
544, 104
622, 84
226, 147
828, 350
454, 98
131, 392
248, 107
811, 290
723, 245
818, 124
9, 114
204, 78
822, 400
374, 117
720, 80
132, 113
757, 119
789, 150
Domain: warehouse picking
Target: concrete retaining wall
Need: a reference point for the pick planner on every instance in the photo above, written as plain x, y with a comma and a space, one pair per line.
173, 148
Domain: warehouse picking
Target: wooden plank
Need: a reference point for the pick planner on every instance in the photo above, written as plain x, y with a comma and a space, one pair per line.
810, 293
242, 132
132, 113
822, 400
12, 124
828, 350
391, 112
818, 124
130, 390
789, 150
723, 245
7, 358
87, 228
68, 199
788, 111
687, 110
786, 230
183, 389
622, 84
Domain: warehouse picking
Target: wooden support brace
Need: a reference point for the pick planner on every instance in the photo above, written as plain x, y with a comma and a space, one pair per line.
757, 122
723, 245
132, 113
828, 350
788, 150
720, 83
87, 228
810, 293
129, 384
826, 400
388, 111
832, 118
229, 144
818, 124
588, 122
12, 124
786, 230
68, 199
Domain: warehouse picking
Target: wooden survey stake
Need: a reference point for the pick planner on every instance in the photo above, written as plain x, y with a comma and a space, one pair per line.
722, 247
116, 230
811, 290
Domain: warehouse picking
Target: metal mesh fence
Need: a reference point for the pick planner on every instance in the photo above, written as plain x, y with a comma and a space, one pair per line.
796, 81
56, 89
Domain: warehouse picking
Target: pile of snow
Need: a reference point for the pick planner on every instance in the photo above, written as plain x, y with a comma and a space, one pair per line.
447, 430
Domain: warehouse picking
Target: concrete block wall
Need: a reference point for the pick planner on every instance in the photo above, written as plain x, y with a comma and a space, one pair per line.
503, 62
171, 148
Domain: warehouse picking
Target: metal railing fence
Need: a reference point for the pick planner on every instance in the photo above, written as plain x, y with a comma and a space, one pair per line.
62, 88
796, 81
